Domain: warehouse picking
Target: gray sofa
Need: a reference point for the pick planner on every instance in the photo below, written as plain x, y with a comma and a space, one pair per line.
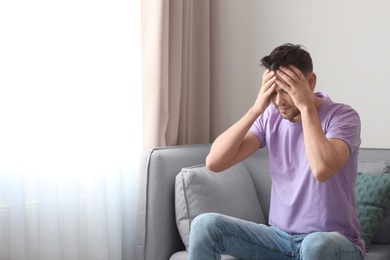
157, 236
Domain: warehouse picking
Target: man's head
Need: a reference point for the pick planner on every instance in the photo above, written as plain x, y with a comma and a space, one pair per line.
285, 55
288, 54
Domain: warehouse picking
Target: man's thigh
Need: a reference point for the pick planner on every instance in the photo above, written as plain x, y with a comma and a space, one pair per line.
248, 240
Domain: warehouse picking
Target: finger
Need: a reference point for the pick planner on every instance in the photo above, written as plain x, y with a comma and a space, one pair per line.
283, 84
296, 71
268, 74
289, 78
271, 89
286, 73
267, 84
267, 78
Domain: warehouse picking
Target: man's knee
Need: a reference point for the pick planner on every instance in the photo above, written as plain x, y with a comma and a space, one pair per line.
205, 223
318, 246
204, 233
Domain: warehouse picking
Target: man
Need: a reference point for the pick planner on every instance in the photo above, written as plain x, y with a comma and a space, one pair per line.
313, 146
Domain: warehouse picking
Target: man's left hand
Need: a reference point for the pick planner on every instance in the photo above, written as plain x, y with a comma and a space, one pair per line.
292, 80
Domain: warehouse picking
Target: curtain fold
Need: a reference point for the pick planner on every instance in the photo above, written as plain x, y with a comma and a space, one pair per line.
176, 72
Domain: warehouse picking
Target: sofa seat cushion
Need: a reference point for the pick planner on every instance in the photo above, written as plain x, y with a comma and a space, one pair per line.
183, 255
373, 202
230, 192
377, 252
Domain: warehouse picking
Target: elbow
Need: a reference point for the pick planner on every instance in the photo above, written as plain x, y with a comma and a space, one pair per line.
320, 178
213, 165
323, 174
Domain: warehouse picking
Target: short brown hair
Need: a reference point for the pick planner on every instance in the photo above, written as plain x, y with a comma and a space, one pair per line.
288, 54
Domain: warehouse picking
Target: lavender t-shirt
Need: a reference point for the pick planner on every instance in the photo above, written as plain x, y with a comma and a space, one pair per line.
299, 203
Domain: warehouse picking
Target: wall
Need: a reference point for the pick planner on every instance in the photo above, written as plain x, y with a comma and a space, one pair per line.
349, 42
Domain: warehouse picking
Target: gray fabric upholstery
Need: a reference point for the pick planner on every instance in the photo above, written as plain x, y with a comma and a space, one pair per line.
157, 234
184, 255
383, 233
373, 166
230, 192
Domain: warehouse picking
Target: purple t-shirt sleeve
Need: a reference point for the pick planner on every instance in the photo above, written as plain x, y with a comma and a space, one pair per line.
257, 130
343, 124
258, 127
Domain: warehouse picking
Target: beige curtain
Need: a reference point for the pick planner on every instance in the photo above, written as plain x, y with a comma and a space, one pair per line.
176, 72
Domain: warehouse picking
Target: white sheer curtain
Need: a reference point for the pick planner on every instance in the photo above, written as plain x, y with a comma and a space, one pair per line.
70, 128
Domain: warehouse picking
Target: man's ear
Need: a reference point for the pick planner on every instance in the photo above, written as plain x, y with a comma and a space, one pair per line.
312, 80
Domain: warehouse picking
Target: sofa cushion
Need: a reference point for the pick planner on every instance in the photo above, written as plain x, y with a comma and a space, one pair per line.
373, 202
230, 192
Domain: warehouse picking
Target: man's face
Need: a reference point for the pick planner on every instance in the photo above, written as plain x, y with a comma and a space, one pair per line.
286, 107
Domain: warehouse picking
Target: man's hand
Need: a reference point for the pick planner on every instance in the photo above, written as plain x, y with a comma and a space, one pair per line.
291, 80
267, 88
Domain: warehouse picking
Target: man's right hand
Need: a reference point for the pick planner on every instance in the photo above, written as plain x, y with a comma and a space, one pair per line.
267, 88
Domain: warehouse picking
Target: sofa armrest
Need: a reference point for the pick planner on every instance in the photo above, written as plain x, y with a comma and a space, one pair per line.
157, 236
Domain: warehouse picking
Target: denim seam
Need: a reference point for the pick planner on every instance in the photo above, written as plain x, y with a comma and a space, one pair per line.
292, 247
251, 242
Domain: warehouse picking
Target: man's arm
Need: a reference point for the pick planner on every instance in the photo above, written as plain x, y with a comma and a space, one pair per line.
326, 156
234, 145
237, 143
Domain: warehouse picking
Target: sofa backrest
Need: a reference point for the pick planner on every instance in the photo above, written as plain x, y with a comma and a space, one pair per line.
374, 154
258, 167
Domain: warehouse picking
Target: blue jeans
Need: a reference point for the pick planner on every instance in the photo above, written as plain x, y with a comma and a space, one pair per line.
214, 234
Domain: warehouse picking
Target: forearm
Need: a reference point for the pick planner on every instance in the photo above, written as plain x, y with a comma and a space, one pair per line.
236, 143
229, 147
323, 157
